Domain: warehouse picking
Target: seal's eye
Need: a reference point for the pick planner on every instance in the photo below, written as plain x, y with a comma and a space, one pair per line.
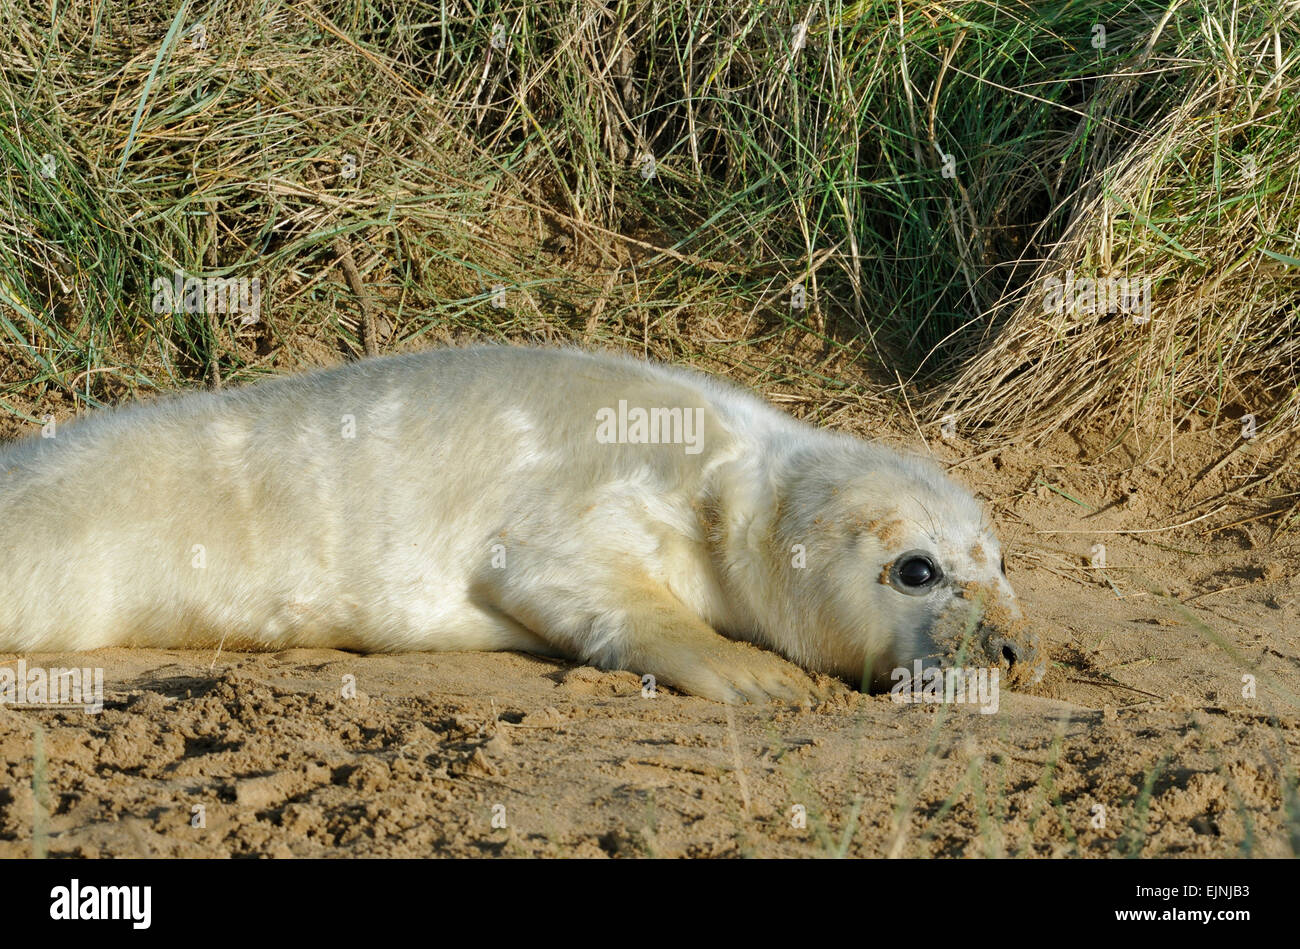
915, 572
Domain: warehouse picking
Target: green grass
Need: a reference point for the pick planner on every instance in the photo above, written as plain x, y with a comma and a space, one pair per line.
917, 175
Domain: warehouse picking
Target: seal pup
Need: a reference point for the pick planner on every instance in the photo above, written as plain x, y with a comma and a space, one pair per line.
589, 506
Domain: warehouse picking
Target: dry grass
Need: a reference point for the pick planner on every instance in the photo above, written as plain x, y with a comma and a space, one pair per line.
666, 179
1204, 205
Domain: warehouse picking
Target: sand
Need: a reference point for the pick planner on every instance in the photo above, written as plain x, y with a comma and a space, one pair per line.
1143, 738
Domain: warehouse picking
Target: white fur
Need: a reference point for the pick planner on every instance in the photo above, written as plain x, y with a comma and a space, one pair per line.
385, 541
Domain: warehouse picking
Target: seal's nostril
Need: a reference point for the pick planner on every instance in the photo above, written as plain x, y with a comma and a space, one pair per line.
1010, 653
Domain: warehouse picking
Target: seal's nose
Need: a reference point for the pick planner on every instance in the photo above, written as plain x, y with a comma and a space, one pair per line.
1011, 652
1020, 653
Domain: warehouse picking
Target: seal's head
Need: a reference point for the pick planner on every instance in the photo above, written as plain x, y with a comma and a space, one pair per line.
915, 570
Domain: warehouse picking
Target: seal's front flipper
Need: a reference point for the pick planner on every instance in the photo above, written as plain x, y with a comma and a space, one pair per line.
623, 620
662, 638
